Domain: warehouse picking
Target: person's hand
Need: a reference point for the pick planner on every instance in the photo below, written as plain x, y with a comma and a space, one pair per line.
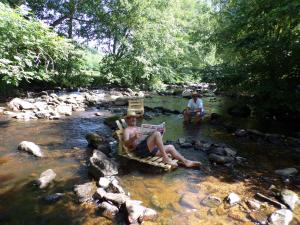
138, 135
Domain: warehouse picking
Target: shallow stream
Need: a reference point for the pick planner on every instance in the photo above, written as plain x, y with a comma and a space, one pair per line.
63, 141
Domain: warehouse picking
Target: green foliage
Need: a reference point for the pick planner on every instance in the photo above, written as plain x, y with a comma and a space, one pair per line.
258, 42
154, 42
30, 50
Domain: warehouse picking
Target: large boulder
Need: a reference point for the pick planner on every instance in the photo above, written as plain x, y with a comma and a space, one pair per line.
85, 191
46, 178
100, 165
19, 104
30, 147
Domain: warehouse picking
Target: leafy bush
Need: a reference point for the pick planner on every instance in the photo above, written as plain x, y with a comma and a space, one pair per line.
29, 50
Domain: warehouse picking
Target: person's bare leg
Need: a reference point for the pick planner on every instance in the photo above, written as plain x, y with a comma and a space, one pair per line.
154, 140
198, 117
188, 163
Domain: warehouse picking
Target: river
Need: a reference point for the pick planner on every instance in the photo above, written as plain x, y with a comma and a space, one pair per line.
64, 143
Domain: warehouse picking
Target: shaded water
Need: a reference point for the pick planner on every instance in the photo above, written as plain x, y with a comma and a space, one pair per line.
22, 203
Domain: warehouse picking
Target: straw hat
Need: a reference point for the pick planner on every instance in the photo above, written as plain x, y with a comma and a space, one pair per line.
195, 93
131, 114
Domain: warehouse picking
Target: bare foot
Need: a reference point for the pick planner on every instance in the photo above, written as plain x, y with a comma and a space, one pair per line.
189, 163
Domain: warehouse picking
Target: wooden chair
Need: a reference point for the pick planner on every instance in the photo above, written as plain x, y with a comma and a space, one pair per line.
136, 105
124, 151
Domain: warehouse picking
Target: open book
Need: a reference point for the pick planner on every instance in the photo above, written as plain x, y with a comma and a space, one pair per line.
148, 129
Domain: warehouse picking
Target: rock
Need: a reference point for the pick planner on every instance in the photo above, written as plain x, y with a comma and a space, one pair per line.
121, 101
46, 178
53, 95
138, 213
54, 197
19, 104
253, 204
131, 92
273, 138
187, 93
45, 114
233, 198
31, 148
95, 139
2, 110
140, 94
239, 111
220, 159
190, 200
289, 198
181, 141
98, 114
104, 182
64, 110
91, 99
100, 165
281, 217
117, 198
40, 105
211, 201
259, 217
85, 191
110, 210
115, 187
230, 152
287, 172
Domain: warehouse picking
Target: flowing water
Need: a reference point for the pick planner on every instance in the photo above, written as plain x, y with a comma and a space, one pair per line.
22, 203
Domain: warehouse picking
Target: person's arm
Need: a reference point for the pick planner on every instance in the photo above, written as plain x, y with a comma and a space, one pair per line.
189, 106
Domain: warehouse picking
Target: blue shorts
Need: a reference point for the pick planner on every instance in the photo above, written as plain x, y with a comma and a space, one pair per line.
142, 150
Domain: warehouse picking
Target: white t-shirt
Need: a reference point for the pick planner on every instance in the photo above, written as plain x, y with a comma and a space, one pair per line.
196, 105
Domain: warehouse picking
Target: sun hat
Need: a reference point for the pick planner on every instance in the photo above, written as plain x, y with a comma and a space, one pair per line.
195, 93
131, 114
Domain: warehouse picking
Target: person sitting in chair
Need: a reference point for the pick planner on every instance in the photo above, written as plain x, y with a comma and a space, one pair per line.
152, 145
194, 108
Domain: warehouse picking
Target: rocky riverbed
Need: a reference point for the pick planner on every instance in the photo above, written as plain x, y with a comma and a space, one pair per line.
77, 178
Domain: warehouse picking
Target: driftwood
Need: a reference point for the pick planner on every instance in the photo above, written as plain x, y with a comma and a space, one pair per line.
272, 201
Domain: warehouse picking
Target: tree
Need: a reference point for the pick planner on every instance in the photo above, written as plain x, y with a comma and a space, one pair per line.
258, 42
